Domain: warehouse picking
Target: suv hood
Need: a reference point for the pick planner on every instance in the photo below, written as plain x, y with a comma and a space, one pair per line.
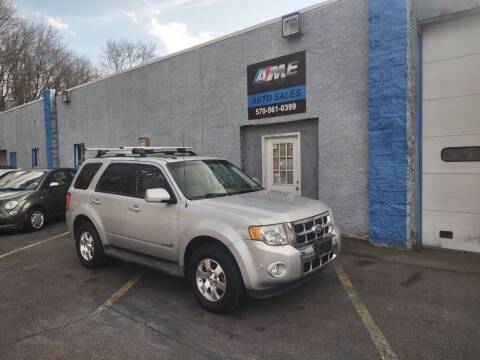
268, 206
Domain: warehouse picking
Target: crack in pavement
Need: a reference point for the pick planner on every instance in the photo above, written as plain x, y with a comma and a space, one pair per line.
157, 331
41, 332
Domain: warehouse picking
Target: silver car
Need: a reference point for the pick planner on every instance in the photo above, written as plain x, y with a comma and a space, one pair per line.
201, 218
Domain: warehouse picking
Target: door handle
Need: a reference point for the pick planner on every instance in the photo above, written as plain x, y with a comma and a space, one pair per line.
134, 208
96, 202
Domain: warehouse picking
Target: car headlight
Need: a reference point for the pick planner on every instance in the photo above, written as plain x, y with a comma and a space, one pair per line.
11, 205
274, 235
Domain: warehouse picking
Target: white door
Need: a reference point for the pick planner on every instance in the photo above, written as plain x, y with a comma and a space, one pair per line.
451, 134
281, 162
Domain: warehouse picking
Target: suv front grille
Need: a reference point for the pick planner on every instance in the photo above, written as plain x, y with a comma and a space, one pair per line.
305, 231
314, 231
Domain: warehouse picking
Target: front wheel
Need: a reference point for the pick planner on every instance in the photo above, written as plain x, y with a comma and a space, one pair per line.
215, 279
35, 219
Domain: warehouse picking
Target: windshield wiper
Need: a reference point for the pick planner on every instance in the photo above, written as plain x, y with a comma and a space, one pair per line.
208, 196
243, 191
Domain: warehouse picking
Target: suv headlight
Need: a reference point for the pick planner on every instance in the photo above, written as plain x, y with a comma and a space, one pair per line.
11, 205
274, 235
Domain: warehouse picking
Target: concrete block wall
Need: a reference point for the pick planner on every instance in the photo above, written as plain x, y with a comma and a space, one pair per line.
22, 129
387, 124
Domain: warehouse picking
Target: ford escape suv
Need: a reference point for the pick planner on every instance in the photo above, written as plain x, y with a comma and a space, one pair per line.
197, 217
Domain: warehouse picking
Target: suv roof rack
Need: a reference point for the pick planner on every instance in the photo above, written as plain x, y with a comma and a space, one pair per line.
142, 151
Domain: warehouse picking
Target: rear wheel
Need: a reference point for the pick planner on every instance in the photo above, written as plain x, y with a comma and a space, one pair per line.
215, 279
89, 246
35, 219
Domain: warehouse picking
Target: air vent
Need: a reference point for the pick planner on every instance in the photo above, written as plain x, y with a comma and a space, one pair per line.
446, 234
292, 25
66, 97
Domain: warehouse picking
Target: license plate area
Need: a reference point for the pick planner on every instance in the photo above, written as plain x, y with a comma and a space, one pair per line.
322, 255
324, 247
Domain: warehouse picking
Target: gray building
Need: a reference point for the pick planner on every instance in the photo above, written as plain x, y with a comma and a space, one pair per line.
356, 109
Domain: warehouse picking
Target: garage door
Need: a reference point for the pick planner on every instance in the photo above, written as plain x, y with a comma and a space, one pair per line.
451, 134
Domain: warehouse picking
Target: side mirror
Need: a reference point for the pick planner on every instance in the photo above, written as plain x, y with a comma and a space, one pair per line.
53, 184
157, 195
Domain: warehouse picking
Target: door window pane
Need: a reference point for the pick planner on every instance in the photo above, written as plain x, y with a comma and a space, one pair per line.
276, 177
150, 177
282, 162
290, 177
118, 179
59, 177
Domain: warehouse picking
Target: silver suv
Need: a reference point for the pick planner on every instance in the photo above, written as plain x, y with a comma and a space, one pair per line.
201, 218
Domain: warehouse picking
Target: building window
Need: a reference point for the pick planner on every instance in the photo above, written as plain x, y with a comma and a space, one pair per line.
35, 157
78, 155
13, 159
461, 154
283, 163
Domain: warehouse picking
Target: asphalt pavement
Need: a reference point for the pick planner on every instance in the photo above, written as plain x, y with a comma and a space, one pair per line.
423, 305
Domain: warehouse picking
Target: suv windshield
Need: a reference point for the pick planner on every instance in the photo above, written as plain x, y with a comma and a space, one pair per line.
21, 180
202, 179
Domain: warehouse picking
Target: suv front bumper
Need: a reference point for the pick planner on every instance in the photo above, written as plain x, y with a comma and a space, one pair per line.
257, 259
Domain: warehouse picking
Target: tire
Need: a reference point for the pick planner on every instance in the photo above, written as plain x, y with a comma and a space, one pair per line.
89, 246
223, 288
36, 219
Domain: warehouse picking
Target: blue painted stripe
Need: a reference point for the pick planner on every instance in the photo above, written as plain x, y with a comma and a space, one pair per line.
47, 108
388, 151
293, 93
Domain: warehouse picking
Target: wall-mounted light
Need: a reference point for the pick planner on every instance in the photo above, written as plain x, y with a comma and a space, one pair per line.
144, 141
66, 97
292, 25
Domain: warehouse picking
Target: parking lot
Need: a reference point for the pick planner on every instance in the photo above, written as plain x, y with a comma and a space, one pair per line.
374, 303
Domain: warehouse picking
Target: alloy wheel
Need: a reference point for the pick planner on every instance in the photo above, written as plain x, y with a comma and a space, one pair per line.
86, 246
211, 279
37, 219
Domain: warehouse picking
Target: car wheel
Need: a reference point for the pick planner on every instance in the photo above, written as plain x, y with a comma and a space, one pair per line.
89, 246
215, 279
35, 219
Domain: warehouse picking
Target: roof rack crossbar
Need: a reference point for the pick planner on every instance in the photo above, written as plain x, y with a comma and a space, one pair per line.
142, 150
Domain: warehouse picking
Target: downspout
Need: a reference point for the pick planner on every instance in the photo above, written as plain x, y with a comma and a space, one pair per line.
51, 128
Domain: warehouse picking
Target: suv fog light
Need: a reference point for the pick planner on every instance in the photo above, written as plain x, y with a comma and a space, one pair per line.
277, 270
14, 212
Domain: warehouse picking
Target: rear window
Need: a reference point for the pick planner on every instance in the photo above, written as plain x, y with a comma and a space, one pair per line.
86, 175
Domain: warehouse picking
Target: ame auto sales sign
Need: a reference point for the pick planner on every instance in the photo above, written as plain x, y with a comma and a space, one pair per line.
277, 87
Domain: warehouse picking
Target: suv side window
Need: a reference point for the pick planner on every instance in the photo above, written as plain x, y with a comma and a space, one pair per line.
118, 178
86, 175
150, 177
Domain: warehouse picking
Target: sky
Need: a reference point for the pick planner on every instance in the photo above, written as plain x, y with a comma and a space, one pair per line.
172, 25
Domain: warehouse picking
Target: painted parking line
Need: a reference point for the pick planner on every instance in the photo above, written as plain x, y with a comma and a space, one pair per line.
381, 343
118, 294
13, 252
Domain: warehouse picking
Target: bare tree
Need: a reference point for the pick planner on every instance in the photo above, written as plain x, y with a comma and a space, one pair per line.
33, 58
122, 54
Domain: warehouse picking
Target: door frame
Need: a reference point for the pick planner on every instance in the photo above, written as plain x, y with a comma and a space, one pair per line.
299, 156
